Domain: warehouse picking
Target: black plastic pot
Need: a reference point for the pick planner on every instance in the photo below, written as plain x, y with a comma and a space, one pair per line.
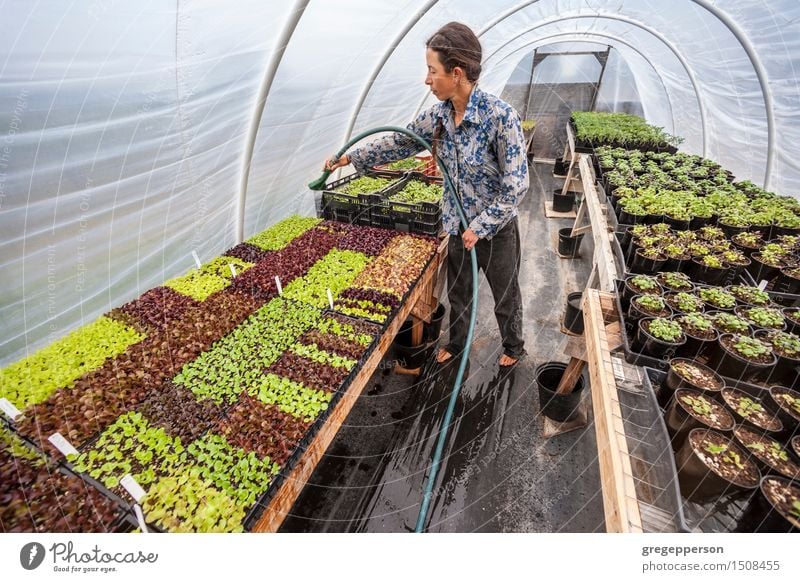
573, 314
696, 346
635, 313
731, 230
774, 429
568, 246
411, 357
674, 382
432, 330
782, 230
698, 482
790, 420
680, 421
732, 365
787, 284
762, 516
759, 271
558, 407
628, 218
563, 202
652, 346
677, 223
700, 221
786, 371
560, 168
740, 311
644, 266
792, 326
704, 274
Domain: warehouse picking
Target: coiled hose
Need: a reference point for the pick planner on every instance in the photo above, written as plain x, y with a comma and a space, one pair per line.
319, 184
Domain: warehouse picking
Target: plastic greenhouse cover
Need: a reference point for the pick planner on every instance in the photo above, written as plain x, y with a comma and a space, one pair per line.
125, 127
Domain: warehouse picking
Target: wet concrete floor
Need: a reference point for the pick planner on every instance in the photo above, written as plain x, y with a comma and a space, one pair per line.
498, 473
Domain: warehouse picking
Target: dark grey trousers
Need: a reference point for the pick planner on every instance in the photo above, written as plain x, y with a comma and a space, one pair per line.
499, 259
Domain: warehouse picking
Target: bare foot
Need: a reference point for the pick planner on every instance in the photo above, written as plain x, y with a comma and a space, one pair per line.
506, 361
443, 356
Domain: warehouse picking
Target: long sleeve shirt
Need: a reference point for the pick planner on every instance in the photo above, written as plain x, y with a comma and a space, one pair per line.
485, 155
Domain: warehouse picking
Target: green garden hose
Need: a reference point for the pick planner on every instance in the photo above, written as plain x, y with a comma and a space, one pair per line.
319, 184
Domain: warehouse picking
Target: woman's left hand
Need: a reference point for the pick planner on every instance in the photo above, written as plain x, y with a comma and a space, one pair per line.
469, 238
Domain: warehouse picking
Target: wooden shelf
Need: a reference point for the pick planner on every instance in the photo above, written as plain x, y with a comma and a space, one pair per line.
419, 302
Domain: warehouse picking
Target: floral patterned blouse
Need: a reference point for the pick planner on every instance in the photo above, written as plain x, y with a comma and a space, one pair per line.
485, 156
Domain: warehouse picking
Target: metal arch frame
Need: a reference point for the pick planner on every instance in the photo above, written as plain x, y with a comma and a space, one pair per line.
744, 42
379, 66
258, 112
632, 22
617, 39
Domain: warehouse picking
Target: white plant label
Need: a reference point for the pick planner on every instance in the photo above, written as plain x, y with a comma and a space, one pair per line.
278, 284
11, 411
330, 299
62, 444
140, 517
763, 284
132, 487
197, 259
233, 269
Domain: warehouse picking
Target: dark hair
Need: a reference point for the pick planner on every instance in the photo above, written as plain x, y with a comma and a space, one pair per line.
457, 46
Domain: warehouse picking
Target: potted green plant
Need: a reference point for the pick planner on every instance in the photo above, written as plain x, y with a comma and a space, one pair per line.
767, 262
708, 269
751, 410
684, 302
718, 298
658, 337
775, 508
742, 357
787, 348
689, 409
675, 281
787, 403
747, 295
788, 280
770, 455
763, 317
700, 334
748, 241
710, 464
639, 285
792, 315
647, 261
647, 306
726, 322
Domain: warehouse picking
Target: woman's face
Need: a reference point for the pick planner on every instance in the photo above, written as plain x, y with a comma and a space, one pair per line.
442, 84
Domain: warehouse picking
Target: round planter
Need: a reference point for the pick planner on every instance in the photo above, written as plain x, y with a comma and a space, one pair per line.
767, 463
652, 346
792, 326
778, 230
677, 223
432, 330
699, 222
697, 346
788, 415
573, 314
635, 312
563, 202
681, 418
732, 365
703, 476
786, 368
558, 407
787, 283
765, 421
644, 266
673, 264
672, 303
689, 287
411, 357
706, 380
747, 250
627, 218
731, 230
741, 311
736, 291
760, 271
704, 274
770, 509
568, 246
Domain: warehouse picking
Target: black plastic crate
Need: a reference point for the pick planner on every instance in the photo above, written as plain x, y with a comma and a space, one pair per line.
353, 208
652, 463
420, 218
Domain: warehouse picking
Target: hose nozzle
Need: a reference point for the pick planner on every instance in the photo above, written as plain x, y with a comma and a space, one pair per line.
319, 183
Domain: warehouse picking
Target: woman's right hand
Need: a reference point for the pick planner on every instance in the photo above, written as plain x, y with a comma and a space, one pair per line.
332, 164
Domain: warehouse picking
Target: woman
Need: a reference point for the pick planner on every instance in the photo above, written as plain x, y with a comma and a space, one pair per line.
479, 139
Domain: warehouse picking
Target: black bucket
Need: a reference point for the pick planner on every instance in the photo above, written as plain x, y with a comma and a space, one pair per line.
410, 357
559, 407
573, 315
431, 331
563, 202
568, 246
